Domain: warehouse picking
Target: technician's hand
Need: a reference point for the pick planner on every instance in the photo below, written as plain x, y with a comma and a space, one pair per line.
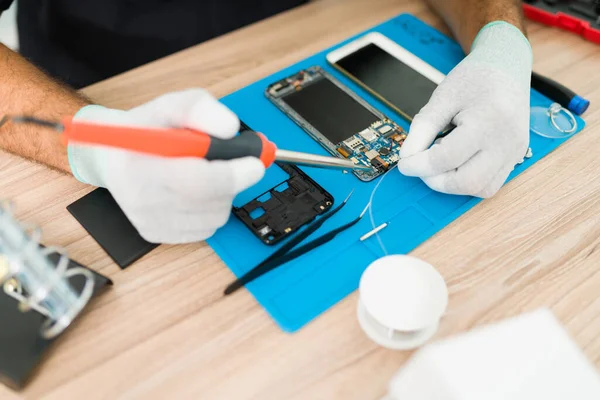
487, 97
168, 200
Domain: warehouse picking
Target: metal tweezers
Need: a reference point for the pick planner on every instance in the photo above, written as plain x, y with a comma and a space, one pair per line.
285, 254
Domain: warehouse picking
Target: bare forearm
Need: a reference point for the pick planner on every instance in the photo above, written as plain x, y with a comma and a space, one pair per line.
466, 17
25, 90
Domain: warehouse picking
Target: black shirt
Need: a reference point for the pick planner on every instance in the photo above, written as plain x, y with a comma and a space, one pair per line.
85, 41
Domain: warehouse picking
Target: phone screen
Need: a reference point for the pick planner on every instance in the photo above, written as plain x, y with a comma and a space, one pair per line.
330, 110
396, 83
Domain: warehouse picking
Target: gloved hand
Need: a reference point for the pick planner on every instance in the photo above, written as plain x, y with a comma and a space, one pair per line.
487, 97
168, 200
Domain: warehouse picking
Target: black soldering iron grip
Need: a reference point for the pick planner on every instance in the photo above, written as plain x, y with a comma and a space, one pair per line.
247, 143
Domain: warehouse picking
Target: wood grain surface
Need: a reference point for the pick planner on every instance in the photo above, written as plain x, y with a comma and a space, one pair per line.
164, 330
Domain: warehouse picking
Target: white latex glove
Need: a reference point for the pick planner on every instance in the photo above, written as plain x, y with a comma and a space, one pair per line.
487, 97
168, 200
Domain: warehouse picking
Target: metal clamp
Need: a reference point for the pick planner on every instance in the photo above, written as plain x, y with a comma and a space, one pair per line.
34, 281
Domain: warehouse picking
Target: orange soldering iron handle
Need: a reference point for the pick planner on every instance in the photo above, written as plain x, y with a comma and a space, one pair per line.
171, 142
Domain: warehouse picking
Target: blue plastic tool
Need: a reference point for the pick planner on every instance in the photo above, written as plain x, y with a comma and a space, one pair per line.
301, 290
578, 105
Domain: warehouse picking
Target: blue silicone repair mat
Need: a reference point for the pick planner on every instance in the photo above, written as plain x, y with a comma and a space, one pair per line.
301, 290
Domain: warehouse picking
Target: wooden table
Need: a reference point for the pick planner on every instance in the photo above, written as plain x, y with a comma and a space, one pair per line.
164, 330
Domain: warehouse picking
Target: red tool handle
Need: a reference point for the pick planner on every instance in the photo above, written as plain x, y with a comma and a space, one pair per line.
171, 142
563, 21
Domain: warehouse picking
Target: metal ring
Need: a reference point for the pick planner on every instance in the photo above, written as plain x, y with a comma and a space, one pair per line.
556, 109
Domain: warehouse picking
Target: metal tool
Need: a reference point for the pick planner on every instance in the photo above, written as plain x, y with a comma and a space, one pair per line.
291, 250
183, 143
28, 276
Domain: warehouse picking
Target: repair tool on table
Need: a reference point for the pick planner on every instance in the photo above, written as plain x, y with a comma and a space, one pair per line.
183, 143
41, 293
287, 252
27, 269
578, 16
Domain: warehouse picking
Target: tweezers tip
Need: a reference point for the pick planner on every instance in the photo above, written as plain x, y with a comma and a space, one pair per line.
349, 195
232, 288
362, 214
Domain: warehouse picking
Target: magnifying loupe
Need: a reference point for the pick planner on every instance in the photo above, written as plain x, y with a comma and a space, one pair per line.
554, 122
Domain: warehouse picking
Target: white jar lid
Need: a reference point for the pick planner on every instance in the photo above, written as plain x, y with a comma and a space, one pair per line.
403, 293
393, 339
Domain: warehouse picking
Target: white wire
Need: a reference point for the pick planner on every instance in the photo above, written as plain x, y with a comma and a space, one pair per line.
370, 206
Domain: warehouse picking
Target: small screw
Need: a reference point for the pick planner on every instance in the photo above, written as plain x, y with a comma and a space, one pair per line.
529, 153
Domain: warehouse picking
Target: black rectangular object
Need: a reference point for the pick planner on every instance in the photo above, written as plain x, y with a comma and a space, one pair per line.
402, 87
103, 219
287, 209
21, 345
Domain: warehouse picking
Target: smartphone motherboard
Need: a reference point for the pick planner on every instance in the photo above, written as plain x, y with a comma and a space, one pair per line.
342, 122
